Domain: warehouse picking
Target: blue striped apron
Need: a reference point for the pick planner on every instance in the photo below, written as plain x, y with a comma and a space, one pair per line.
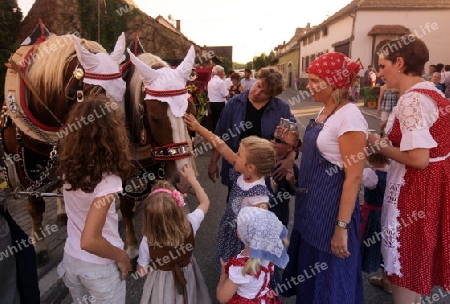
313, 273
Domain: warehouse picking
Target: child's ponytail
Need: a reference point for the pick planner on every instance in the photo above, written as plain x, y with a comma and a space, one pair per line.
252, 266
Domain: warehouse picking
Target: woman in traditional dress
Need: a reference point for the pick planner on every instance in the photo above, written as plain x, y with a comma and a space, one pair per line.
324, 254
416, 212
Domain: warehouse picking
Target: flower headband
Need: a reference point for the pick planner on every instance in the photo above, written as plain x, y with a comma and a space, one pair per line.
175, 194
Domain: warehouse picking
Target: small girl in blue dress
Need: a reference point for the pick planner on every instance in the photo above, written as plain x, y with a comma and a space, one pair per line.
254, 160
374, 182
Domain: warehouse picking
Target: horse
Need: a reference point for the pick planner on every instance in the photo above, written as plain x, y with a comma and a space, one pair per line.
66, 75
44, 80
155, 100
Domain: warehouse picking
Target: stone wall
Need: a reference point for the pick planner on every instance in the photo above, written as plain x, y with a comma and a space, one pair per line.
63, 16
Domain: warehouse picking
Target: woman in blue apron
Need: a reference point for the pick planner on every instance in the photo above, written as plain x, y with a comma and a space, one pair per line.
324, 255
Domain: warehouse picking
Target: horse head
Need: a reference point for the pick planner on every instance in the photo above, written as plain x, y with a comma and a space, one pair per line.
50, 69
165, 103
100, 72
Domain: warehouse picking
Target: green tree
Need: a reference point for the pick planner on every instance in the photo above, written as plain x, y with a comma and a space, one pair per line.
259, 62
113, 20
10, 18
226, 64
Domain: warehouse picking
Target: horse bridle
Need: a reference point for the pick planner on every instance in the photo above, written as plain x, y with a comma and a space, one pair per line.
173, 151
79, 74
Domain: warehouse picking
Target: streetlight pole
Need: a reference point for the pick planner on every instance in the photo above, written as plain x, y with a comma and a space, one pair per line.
98, 21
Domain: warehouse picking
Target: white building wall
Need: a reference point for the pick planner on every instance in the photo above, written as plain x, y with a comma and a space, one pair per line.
337, 31
430, 26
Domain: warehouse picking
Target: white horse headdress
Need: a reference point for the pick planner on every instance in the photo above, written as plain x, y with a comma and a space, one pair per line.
103, 69
166, 84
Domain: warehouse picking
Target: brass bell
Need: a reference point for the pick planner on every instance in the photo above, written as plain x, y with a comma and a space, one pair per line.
78, 73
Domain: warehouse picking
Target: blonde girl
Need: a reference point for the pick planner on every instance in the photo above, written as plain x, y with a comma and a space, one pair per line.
254, 160
246, 278
165, 252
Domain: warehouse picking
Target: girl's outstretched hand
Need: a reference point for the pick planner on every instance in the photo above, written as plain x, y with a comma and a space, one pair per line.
188, 173
191, 122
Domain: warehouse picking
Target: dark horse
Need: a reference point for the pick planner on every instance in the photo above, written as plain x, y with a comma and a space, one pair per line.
43, 82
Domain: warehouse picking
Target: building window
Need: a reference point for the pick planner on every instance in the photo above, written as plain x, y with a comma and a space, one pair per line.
310, 39
325, 31
317, 36
306, 62
304, 41
303, 64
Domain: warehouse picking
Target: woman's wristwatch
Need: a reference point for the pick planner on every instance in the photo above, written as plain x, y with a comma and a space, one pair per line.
342, 224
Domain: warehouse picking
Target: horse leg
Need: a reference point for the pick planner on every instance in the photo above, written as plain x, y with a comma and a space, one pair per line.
61, 216
36, 209
127, 209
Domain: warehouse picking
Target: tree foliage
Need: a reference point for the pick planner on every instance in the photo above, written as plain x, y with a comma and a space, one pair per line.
260, 61
113, 20
10, 18
226, 64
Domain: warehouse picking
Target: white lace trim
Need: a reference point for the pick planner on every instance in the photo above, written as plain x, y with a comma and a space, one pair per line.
390, 224
390, 122
410, 113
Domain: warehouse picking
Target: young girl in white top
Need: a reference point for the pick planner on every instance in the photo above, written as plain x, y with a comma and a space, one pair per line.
246, 278
165, 252
93, 160
255, 160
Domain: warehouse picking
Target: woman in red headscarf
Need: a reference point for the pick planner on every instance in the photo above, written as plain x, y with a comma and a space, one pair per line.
324, 252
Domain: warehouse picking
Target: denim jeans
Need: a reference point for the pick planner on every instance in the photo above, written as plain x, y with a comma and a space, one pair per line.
92, 283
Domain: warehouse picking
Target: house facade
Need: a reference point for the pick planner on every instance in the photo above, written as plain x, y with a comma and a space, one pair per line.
287, 57
362, 27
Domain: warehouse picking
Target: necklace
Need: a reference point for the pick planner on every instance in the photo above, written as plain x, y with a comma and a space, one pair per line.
326, 115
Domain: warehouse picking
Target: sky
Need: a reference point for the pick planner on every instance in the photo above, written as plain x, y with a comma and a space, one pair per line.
249, 26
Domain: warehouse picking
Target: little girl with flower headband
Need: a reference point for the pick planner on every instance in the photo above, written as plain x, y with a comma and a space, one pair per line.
254, 161
165, 252
246, 278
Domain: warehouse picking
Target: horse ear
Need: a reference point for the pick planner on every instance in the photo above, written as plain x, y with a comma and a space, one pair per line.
186, 66
88, 60
148, 74
119, 49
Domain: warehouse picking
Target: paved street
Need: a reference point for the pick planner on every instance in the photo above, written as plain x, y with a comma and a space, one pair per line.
53, 291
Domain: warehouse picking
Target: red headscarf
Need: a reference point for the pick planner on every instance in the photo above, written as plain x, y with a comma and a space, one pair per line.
336, 69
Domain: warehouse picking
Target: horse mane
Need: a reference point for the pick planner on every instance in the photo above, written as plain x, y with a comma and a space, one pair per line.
48, 62
136, 81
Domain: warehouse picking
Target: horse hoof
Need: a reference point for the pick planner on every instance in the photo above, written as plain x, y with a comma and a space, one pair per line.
61, 220
42, 258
